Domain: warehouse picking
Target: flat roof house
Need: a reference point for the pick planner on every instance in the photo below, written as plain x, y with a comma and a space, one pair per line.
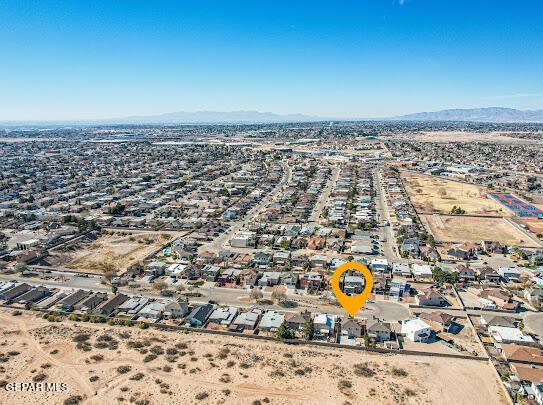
223, 315
271, 320
416, 330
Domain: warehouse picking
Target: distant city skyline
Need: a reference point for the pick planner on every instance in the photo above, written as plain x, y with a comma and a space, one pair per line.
344, 59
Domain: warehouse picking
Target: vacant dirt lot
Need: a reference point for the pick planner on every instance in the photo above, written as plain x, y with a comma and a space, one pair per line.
534, 225
107, 365
432, 194
447, 228
115, 250
463, 136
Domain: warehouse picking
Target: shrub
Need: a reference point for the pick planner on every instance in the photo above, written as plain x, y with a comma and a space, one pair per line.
137, 377
363, 370
149, 357
39, 377
156, 350
16, 313
399, 372
81, 337
201, 396
225, 378
344, 385
97, 357
123, 369
73, 400
409, 392
93, 378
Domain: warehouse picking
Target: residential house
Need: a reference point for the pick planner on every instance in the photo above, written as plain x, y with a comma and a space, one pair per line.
466, 273
431, 297
352, 285
351, 328
509, 274
422, 271
223, 316
324, 324
89, 304
416, 330
501, 298
281, 258
108, 307
67, 303
296, 321
401, 269
15, 291
199, 315
312, 281
534, 295
503, 334
443, 320
246, 320
516, 353
489, 275
262, 258
271, 320
33, 296
379, 266
378, 330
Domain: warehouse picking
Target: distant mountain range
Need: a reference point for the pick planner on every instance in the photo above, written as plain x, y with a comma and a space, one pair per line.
490, 114
213, 117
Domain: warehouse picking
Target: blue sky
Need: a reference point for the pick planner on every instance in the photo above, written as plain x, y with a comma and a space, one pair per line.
336, 58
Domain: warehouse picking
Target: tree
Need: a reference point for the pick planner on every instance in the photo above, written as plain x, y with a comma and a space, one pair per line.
366, 339
308, 329
279, 294
441, 276
431, 240
114, 289
161, 285
284, 333
117, 209
285, 244
256, 294
20, 267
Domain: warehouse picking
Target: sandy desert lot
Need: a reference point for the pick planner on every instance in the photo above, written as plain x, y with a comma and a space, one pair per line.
112, 250
534, 225
447, 228
432, 194
109, 365
465, 136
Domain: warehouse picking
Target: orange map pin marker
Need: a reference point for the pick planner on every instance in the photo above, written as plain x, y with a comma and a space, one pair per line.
354, 303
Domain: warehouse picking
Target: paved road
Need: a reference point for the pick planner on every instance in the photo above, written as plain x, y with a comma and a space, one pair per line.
389, 311
220, 242
389, 246
325, 194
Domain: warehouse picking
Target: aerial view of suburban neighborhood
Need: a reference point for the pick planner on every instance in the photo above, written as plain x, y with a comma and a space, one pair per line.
195, 250
271, 202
